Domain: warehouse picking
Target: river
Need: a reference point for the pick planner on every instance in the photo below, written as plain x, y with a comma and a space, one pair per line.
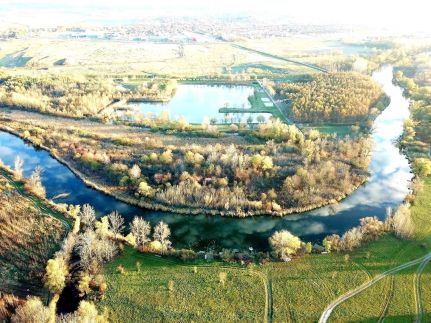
387, 186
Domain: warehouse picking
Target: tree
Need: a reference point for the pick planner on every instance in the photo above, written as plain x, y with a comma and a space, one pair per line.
371, 227
351, 239
162, 234
56, 272
35, 182
327, 245
402, 222
422, 167
32, 311
166, 157
19, 167
333, 241
141, 230
135, 172
87, 313
88, 216
284, 243
308, 247
116, 223
260, 118
145, 190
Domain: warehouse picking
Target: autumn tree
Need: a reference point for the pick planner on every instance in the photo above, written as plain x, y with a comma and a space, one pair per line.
402, 222
35, 182
32, 311
56, 272
422, 167
284, 243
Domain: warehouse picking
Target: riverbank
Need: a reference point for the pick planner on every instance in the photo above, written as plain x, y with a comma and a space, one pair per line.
31, 231
166, 208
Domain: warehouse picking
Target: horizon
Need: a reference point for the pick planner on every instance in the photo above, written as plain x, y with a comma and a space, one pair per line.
395, 17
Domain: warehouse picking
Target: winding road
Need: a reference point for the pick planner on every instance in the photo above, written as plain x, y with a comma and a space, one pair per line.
422, 261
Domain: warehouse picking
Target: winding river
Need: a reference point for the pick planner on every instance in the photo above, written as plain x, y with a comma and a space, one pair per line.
386, 187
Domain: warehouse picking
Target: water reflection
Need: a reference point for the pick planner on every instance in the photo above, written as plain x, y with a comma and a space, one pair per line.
197, 102
386, 187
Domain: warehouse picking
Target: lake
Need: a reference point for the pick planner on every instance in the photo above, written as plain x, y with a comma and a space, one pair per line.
386, 187
196, 102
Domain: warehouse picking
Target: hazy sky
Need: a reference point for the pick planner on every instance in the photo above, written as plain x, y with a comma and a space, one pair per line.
411, 14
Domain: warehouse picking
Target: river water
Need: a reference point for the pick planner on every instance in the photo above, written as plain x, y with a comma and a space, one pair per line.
387, 186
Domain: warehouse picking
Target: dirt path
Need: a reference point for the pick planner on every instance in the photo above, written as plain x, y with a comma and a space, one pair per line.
327, 312
419, 301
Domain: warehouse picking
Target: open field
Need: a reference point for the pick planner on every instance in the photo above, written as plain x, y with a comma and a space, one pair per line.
200, 59
169, 291
300, 289
29, 235
98, 57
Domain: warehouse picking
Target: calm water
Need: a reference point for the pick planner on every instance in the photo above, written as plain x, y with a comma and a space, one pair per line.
196, 102
387, 187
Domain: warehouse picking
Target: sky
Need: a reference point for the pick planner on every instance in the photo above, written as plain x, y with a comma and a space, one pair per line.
397, 14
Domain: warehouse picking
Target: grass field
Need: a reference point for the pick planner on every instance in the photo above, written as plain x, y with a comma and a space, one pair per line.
147, 295
340, 130
394, 297
301, 289
100, 57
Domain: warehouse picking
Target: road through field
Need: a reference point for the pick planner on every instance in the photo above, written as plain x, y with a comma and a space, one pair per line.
419, 302
327, 312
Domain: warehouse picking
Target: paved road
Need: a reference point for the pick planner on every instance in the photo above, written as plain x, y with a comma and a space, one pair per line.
327, 312
314, 67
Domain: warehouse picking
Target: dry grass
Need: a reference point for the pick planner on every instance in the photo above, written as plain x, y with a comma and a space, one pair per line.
28, 239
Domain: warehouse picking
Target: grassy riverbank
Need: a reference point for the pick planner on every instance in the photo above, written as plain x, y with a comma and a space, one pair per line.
30, 232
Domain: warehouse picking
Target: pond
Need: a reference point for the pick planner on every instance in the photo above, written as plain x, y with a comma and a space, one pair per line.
196, 102
386, 187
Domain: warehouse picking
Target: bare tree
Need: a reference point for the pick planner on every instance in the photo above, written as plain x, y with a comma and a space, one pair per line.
94, 249
19, 167
402, 222
162, 234
88, 216
141, 230
116, 223
351, 239
35, 181
135, 172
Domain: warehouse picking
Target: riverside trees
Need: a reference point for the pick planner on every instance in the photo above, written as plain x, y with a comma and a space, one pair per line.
333, 97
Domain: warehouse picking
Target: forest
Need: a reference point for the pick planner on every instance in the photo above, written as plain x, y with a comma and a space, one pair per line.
342, 97
74, 95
